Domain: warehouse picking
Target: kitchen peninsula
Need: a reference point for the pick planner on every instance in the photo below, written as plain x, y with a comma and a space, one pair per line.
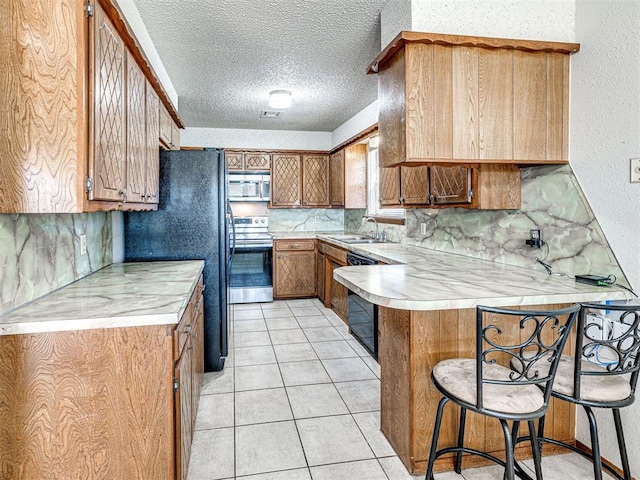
427, 303
101, 378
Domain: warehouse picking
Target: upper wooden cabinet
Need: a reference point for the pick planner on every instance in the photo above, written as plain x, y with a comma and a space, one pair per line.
169, 133
300, 180
75, 120
286, 180
457, 99
348, 177
248, 161
315, 180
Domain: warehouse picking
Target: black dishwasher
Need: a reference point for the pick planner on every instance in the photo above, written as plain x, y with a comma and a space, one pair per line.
363, 315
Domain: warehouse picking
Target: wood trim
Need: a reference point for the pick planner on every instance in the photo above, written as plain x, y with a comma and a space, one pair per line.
114, 14
406, 36
483, 161
358, 137
389, 220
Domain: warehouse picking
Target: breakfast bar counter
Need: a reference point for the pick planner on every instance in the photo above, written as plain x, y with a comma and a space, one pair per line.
426, 314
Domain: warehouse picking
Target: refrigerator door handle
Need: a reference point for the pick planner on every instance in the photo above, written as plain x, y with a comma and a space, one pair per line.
233, 234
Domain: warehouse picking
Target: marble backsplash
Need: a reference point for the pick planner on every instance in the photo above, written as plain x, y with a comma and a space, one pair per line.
41, 253
552, 201
306, 220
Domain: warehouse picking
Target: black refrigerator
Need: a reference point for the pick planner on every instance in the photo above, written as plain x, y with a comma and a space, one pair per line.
191, 223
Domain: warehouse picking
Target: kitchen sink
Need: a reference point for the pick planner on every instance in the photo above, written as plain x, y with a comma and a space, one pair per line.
356, 239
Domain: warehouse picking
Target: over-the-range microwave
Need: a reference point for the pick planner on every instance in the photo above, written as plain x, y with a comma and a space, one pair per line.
248, 187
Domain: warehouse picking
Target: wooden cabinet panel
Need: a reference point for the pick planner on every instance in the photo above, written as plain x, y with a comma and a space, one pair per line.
234, 161
450, 185
315, 180
165, 127
338, 293
42, 110
459, 99
320, 276
183, 413
337, 180
286, 180
257, 161
175, 136
107, 161
355, 176
152, 151
389, 186
414, 185
294, 268
136, 132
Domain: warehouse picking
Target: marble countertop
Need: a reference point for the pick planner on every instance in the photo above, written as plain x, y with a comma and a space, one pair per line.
120, 295
301, 235
422, 279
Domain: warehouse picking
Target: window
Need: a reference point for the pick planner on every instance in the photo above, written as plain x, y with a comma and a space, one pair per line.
373, 186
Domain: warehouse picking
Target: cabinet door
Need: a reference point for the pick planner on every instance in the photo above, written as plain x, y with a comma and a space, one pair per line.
175, 136
292, 275
339, 293
234, 160
315, 180
320, 275
109, 142
152, 172
336, 182
165, 127
257, 161
450, 185
136, 132
286, 184
183, 412
414, 185
389, 186
197, 356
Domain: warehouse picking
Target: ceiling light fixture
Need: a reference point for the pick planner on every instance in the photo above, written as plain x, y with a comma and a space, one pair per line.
280, 99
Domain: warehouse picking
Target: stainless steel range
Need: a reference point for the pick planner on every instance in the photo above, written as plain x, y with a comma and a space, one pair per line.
250, 274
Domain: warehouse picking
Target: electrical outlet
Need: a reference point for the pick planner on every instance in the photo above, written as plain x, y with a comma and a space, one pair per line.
635, 170
423, 229
316, 219
83, 244
535, 239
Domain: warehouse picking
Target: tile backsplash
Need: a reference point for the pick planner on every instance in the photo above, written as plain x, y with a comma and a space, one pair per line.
306, 220
552, 201
41, 253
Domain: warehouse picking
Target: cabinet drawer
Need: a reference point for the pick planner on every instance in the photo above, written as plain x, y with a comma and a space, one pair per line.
337, 253
282, 245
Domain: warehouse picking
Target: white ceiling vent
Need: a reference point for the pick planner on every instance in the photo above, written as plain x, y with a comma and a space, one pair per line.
269, 114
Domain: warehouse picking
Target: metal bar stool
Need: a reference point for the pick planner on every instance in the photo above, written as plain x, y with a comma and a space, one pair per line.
603, 373
486, 385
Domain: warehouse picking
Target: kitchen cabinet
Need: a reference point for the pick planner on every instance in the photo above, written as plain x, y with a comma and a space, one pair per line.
152, 152
348, 177
320, 275
460, 99
335, 294
69, 118
490, 186
248, 161
105, 402
169, 132
286, 180
315, 180
300, 180
294, 272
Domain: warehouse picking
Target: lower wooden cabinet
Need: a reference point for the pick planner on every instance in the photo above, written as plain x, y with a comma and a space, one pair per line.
320, 275
103, 402
294, 268
334, 293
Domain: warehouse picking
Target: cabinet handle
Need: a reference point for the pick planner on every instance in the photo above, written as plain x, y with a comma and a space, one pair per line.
432, 199
123, 194
401, 200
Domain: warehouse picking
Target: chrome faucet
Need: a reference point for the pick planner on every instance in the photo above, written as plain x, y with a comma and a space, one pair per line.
369, 218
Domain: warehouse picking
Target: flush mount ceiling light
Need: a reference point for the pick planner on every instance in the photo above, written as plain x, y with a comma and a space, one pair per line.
280, 99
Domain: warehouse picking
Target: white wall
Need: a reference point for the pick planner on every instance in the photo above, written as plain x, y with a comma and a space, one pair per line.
132, 16
356, 124
267, 139
605, 133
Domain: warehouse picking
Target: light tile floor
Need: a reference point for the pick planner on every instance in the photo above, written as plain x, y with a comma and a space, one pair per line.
299, 399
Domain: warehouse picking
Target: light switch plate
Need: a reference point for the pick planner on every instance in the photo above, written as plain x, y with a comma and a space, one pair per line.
635, 170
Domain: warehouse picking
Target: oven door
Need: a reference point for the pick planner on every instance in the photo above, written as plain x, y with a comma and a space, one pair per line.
250, 277
363, 322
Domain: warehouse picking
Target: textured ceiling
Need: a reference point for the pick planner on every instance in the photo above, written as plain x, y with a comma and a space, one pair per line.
224, 57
